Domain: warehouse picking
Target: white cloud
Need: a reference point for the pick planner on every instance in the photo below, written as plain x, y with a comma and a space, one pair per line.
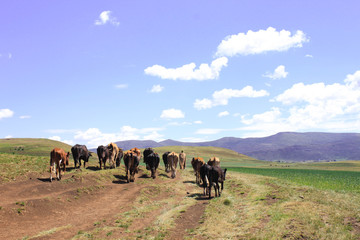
278, 73
309, 56
209, 131
223, 114
260, 42
25, 117
222, 97
172, 113
121, 86
6, 113
156, 88
188, 71
184, 123
317, 106
266, 117
93, 137
105, 17
56, 138
8, 136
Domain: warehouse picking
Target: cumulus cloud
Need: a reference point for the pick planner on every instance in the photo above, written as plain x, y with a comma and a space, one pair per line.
6, 113
106, 17
156, 88
223, 114
8, 136
188, 71
312, 106
309, 56
269, 116
25, 117
260, 42
172, 113
278, 73
94, 137
222, 97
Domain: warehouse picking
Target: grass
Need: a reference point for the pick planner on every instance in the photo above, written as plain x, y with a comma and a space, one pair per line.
341, 181
270, 208
30, 146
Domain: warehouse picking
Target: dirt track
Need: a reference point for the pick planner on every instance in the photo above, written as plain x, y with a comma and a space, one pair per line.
38, 209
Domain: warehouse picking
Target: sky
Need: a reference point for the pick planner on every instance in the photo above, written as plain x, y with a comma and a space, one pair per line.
93, 72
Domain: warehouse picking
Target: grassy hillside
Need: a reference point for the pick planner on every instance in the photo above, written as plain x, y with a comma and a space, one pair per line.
30, 146
227, 157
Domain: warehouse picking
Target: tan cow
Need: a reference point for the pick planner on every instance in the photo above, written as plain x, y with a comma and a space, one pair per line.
196, 163
114, 152
173, 159
182, 160
214, 161
58, 158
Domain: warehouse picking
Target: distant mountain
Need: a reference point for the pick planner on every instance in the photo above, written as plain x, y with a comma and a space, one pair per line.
285, 146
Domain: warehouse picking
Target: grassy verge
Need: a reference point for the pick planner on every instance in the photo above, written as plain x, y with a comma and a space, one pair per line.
261, 207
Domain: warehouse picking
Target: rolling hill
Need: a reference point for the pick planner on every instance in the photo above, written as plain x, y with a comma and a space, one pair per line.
30, 146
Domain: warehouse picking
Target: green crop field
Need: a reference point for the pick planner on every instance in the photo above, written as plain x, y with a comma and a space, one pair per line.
342, 181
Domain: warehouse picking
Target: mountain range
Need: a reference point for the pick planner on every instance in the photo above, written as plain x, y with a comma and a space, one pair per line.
284, 146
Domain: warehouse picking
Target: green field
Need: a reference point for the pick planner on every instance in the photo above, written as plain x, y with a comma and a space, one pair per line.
342, 181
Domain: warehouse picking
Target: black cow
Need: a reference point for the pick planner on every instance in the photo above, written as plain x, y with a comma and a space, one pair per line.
152, 163
204, 175
146, 153
131, 160
164, 157
216, 176
80, 152
103, 154
119, 157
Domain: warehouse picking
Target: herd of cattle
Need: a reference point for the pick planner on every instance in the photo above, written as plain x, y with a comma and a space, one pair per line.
207, 174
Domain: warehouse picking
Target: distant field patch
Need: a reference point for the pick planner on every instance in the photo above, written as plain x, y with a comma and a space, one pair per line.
340, 181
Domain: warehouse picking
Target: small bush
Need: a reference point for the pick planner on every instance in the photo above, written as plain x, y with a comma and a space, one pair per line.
227, 202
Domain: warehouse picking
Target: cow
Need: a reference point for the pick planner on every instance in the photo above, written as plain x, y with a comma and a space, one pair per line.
113, 153
103, 155
152, 163
214, 161
204, 175
196, 163
173, 159
216, 176
164, 157
146, 153
58, 158
80, 152
131, 161
182, 160
119, 157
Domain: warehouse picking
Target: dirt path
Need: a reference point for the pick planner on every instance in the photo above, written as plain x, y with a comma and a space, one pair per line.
37, 208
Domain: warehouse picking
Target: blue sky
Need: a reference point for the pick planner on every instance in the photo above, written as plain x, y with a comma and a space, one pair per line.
92, 72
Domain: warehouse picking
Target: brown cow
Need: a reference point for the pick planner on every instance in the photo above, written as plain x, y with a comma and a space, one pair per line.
182, 160
58, 158
131, 161
196, 163
214, 161
173, 159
